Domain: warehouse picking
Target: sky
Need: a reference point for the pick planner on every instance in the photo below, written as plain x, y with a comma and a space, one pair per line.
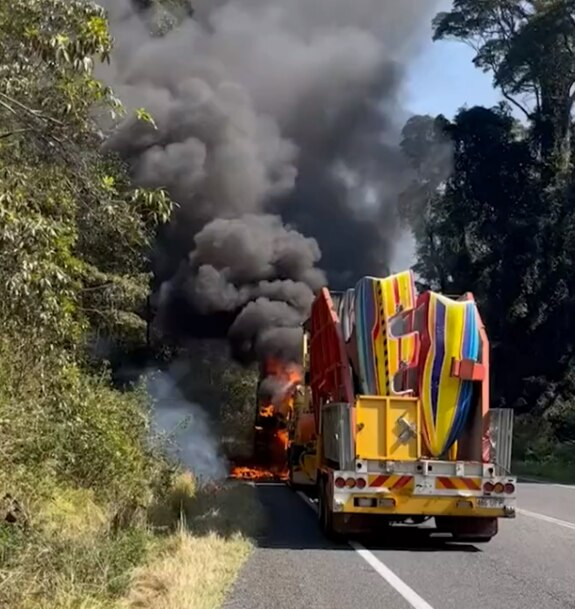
442, 79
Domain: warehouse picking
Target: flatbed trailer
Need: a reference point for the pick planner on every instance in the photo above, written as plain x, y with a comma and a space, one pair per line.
395, 426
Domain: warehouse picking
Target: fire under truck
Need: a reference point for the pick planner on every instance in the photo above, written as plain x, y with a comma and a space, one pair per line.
391, 423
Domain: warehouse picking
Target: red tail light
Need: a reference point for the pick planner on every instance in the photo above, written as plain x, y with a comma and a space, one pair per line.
339, 482
509, 488
361, 483
488, 487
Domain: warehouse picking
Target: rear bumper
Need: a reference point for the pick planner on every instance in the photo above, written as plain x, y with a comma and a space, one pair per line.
406, 505
403, 494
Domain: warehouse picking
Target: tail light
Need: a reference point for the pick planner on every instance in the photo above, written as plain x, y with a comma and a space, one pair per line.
350, 482
499, 488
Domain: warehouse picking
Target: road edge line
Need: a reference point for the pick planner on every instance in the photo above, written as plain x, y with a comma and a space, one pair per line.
407, 593
562, 523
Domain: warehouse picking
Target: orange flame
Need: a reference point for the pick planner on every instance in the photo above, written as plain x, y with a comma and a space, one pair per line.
267, 411
254, 473
290, 373
275, 467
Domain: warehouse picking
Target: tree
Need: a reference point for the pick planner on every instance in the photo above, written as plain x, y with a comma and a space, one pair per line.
477, 229
73, 232
529, 46
492, 202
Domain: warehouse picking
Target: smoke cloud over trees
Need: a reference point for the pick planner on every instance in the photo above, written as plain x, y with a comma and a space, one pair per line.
276, 132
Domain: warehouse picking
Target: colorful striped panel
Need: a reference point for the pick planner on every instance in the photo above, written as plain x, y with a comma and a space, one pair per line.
382, 355
451, 331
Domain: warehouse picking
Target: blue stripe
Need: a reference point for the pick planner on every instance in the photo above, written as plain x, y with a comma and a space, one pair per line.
470, 351
439, 356
365, 321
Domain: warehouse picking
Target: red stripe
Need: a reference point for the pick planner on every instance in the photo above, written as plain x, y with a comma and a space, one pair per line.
471, 484
446, 482
396, 292
379, 481
403, 481
397, 296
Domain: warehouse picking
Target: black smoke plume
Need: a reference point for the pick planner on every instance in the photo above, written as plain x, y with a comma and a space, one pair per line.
268, 112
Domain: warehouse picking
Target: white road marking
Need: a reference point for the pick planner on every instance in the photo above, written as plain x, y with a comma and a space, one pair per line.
380, 568
561, 523
390, 577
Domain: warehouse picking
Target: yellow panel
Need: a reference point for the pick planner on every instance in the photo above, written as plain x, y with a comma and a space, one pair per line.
384, 427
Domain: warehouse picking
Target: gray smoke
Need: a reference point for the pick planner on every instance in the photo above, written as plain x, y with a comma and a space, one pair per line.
184, 426
268, 109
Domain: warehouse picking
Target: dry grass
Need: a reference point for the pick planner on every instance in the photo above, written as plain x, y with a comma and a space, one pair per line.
66, 556
212, 539
186, 557
195, 573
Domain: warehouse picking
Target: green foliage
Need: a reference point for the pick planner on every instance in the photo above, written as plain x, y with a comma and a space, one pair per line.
76, 456
90, 570
492, 209
74, 241
529, 47
73, 231
63, 424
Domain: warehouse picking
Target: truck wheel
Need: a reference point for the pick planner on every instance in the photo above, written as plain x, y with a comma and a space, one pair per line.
326, 520
291, 482
291, 479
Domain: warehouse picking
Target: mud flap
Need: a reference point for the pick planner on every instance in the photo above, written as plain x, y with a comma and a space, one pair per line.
476, 530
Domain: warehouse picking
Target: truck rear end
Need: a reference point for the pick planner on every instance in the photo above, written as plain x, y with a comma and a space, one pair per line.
382, 472
400, 396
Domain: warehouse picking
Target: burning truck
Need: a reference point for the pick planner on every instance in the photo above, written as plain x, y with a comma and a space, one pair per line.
276, 393
387, 418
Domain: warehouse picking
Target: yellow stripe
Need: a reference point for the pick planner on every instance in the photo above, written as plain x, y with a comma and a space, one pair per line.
381, 373
387, 350
449, 387
426, 381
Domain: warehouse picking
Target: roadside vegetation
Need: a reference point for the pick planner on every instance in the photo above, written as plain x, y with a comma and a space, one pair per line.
92, 513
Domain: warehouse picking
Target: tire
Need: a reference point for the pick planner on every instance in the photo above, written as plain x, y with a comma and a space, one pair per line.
291, 483
325, 515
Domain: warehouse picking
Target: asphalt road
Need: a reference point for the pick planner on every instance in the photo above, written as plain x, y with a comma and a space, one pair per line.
530, 564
